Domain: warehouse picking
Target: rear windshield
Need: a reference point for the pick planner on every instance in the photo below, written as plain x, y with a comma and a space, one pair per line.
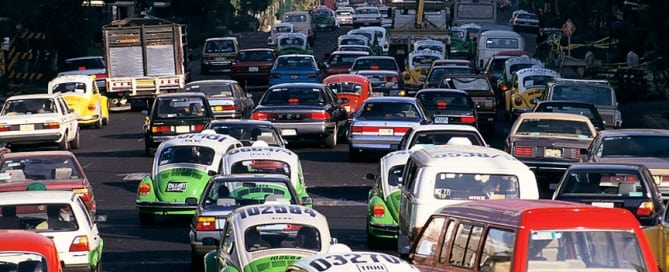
388, 110
434, 101
203, 155
261, 167
83, 64
432, 138
502, 43
547, 127
375, 64
345, 87
245, 56
43, 217
181, 107
236, 193
466, 186
40, 168
611, 183
220, 46
633, 146
294, 96
211, 89
342, 59
598, 95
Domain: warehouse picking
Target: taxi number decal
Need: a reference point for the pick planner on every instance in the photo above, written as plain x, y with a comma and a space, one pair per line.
471, 155
197, 137
323, 264
276, 210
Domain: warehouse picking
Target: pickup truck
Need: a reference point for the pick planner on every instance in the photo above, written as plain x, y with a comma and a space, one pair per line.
479, 89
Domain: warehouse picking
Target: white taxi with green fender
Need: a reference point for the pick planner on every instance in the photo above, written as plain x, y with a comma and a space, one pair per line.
269, 237
181, 169
266, 160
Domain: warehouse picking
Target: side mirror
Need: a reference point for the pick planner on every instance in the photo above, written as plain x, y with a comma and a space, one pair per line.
370, 176
307, 201
191, 201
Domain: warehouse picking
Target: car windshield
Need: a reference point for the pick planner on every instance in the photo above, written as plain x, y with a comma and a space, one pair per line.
439, 101
553, 127
469, 83
352, 41
39, 168
295, 63
458, 34
203, 155
599, 249
240, 193
342, 59
83, 64
389, 111
294, 96
220, 46
432, 138
607, 184
597, 95
514, 68
438, 73
260, 167
180, 107
17, 260
282, 235
29, 106
247, 133
295, 18
70, 87
292, 41
633, 146
374, 64
250, 56
321, 13
345, 87
366, 11
423, 60
222, 89
42, 217
382, 82
466, 186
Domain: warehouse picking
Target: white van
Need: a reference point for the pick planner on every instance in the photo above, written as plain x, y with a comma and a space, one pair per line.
438, 176
492, 41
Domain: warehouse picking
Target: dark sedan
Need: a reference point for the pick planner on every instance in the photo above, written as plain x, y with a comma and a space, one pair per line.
303, 111
252, 66
479, 89
627, 186
575, 107
448, 106
226, 97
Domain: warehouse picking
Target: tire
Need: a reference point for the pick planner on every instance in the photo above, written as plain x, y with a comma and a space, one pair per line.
146, 219
64, 144
98, 267
76, 142
331, 140
105, 120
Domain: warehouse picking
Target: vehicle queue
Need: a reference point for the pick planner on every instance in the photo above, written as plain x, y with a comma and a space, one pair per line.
187, 158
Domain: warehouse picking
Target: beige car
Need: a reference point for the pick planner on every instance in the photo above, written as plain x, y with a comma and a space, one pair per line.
549, 143
303, 23
218, 54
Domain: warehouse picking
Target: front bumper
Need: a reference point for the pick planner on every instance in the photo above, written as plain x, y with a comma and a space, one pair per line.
87, 120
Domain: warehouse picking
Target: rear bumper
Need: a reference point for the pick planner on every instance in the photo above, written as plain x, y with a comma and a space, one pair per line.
164, 208
308, 130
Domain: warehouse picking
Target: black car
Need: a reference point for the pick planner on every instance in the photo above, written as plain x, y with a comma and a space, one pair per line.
575, 107
248, 131
448, 106
480, 90
384, 82
173, 114
303, 111
375, 63
628, 186
437, 73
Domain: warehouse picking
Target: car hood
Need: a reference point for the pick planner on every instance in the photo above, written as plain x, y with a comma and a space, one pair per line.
177, 184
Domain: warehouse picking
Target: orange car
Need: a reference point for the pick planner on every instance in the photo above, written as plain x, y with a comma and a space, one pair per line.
30, 251
351, 89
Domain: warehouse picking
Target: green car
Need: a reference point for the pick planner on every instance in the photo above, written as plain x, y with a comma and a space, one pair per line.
324, 19
181, 169
384, 198
293, 43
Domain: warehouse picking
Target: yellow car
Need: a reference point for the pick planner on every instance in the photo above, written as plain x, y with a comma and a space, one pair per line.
527, 86
82, 95
417, 66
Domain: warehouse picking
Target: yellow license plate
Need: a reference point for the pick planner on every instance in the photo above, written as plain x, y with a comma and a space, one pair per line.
144, 82
29, 127
552, 153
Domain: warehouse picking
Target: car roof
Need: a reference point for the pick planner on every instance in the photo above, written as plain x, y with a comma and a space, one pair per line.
211, 82
241, 121
220, 38
634, 132
34, 96
605, 166
360, 53
401, 99
298, 84
441, 90
440, 127
180, 94
41, 153
37, 197
485, 158
553, 115
344, 78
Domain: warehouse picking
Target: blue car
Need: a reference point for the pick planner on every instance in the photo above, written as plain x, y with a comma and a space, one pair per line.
295, 68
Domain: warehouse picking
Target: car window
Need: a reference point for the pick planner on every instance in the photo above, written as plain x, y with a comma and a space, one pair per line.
181, 107
295, 62
295, 18
466, 240
395, 175
433, 101
585, 111
374, 64
83, 64
383, 81
502, 43
597, 95
282, 29
29, 106
611, 183
220, 46
294, 96
467, 186
428, 242
548, 127
277, 236
41, 168
633, 146
260, 167
468, 83
203, 155
70, 87
43, 217
423, 60
345, 87
497, 249
433, 138
211, 89
232, 193
292, 41
389, 110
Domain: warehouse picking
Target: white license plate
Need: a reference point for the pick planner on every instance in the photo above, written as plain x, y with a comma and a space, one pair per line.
603, 204
176, 186
552, 153
253, 69
399, 52
29, 127
183, 129
441, 119
385, 131
288, 132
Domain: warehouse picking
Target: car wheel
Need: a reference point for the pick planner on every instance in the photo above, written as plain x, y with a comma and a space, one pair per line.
331, 140
98, 268
76, 142
64, 144
146, 219
105, 119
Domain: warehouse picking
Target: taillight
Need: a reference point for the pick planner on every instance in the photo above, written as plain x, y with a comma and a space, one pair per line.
312, 75
263, 116
5, 128
52, 125
664, 178
293, 100
468, 119
99, 76
356, 130
91, 107
374, 67
144, 189
291, 227
161, 129
441, 105
80, 243
645, 209
83, 193
197, 127
320, 115
378, 210
576, 153
206, 223
223, 107
400, 131
504, 88
523, 151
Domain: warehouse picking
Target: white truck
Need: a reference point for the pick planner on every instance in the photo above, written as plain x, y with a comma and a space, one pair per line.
145, 56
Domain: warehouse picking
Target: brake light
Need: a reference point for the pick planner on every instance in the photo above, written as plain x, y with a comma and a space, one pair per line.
293, 100
522, 151
52, 125
223, 107
206, 223
263, 116
99, 76
504, 88
393, 78
81, 68
576, 153
468, 119
197, 127
441, 105
321, 115
161, 129
83, 193
374, 67
378, 210
80, 243
5, 128
312, 75
664, 178
291, 227
91, 107
400, 131
144, 189
645, 209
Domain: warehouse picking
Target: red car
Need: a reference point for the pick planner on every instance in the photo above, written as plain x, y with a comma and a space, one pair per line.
252, 66
23, 250
55, 170
338, 62
351, 90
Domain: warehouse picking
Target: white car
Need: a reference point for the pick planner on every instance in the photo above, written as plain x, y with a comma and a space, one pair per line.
278, 29
366, 16
351, 261
275, 235
440, 134
93, 66
344, 15
39, 119
62, 217
522, 18
380, 36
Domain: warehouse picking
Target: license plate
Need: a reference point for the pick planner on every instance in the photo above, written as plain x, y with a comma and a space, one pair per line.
253, 69
603, 204
29, 127
182, 129
176, 186
294, 76
441, 119
385, 131
552, 153
288, 132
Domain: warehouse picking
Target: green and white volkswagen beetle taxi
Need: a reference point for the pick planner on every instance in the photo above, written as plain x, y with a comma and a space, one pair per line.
181, 169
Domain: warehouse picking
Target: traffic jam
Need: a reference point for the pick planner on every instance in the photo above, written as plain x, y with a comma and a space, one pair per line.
482, 153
